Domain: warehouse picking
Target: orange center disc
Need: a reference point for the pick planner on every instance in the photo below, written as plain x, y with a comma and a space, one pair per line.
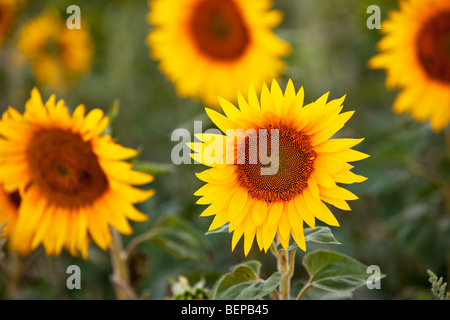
295, 158
65, 169
433, 47
218, 29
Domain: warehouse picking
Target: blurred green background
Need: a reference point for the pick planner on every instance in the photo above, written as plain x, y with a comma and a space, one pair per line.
400, 223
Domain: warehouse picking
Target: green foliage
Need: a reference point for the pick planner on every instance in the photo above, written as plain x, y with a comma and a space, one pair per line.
153, 168
322, 235
333, 272
178, 238
244, 283
438, 289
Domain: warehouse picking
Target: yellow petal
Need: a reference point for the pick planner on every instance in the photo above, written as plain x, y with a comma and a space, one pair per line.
237, 203
338, 193
259, 212
304, 211
326, 216
275, 214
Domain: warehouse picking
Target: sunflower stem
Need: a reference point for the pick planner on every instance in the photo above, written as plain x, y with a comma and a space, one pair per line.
305, 288
15, 274
285, 265
121, 274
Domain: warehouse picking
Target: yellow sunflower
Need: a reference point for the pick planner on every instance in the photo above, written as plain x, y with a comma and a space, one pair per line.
71, 178
9, 205
415, 52
308, 166
57, 54
216, 47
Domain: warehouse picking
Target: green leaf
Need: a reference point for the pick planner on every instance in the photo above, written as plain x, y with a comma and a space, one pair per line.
255, 265
222, 229
113, 111
318, 235
243, 283
153, 168
180, 239
333, 271
112, 114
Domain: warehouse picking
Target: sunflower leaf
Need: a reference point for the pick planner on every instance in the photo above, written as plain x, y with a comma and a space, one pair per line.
243, 283
153, 168
222, 229
178, 238
318, 235
335, 272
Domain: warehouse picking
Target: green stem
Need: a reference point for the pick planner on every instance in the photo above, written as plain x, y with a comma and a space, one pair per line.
305, 288
15, 274
285, 265
121, 275
135, 242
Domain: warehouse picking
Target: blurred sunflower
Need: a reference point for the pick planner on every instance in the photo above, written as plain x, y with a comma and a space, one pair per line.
416, 55
309, 166
57, 54
211, 48
72, 180
9, 204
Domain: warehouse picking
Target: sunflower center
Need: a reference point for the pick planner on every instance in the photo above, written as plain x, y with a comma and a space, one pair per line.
433, 46
295, 165
52, 47
218, 29
65, 169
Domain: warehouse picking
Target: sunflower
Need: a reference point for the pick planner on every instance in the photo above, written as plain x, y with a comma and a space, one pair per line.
309, 164
71, 178
9, 205
57, 54
216, 47
415, 52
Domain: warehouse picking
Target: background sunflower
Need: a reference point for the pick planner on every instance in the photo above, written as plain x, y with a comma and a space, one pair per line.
225, 41
402, 214
57, 55
415, 53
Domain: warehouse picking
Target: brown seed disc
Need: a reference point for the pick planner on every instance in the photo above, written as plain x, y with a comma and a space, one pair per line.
295, 165
433, 47
218, 29
65, 169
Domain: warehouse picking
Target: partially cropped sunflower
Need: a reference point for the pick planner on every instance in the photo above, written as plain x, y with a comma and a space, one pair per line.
9, 206
415, 52
57, 54
309, 164
71, 178
216, 47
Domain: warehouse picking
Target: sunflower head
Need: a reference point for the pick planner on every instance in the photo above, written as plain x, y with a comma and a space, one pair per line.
223, 41
275, 166
71, 179
56, 53
415, 52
